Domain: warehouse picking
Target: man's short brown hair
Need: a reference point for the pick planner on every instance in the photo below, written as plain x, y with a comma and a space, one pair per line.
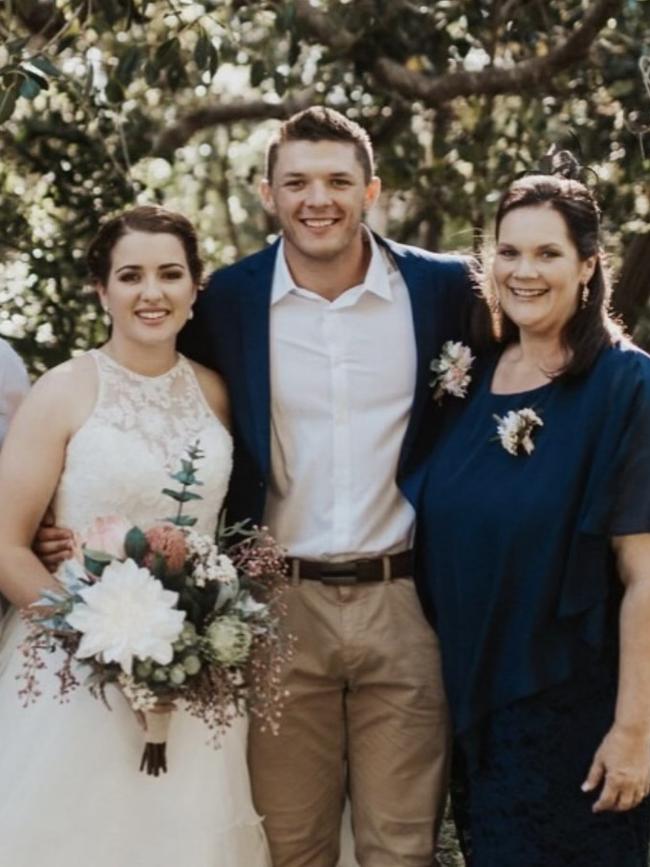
322, 124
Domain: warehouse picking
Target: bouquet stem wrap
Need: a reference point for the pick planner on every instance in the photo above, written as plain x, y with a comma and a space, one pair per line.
154, 756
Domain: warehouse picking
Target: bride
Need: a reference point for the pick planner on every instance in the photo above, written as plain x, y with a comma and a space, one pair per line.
99, 435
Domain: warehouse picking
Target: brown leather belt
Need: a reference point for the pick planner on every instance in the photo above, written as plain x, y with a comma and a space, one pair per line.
386, 568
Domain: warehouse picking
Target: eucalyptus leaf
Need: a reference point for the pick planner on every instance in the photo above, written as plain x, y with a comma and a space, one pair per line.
182, 521
98, 556
135, 544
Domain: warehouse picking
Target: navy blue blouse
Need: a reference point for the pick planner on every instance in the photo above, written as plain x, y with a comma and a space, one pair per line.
514, 562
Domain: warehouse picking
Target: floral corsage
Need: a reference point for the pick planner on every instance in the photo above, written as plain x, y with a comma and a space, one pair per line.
451, 370
515, 430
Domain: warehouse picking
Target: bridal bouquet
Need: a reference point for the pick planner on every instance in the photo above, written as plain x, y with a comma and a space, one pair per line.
170, 618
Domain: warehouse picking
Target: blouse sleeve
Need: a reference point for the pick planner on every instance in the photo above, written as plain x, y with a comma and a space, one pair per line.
616, 499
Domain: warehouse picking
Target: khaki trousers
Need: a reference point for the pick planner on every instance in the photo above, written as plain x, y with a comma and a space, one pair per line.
365, 717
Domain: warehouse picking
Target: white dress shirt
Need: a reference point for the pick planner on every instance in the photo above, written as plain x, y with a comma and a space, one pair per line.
14, 385
342, 382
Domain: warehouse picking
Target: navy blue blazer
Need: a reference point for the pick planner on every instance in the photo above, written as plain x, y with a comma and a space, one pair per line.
230, 334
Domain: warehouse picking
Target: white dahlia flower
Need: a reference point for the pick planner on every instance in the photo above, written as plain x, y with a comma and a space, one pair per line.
127, 614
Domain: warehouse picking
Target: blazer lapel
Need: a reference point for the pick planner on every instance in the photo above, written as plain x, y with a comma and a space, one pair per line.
255, 295
418, 276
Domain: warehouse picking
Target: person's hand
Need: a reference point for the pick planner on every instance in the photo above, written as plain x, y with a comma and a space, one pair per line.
622, 765
52, 545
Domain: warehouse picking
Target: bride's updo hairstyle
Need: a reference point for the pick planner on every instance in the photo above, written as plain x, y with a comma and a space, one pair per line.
144, 218
591, 327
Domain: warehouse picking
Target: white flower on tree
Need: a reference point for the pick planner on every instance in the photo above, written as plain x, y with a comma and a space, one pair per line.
127, 614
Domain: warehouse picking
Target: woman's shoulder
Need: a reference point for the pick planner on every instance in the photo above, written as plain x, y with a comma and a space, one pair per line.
214, 390
62, 379
62, 398
625, 366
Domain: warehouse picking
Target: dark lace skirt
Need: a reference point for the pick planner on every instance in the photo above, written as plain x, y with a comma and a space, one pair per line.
516, 794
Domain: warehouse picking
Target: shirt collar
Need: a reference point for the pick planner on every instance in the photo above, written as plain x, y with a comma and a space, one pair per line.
377, 278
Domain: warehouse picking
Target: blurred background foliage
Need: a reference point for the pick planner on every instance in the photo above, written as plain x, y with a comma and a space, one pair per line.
106, 104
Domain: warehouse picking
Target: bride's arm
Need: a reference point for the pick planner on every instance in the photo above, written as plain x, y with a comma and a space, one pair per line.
31, 462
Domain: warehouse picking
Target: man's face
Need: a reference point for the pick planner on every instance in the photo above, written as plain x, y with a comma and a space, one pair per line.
318, 194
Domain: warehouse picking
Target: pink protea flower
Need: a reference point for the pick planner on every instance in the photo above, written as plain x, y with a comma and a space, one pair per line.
169, 542
107, 534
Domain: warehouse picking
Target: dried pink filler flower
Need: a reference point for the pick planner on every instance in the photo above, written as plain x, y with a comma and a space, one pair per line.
169, 542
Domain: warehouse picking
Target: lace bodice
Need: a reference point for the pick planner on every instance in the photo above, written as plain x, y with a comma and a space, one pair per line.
120, 459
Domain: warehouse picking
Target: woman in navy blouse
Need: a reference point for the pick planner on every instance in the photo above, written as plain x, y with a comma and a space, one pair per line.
534, 552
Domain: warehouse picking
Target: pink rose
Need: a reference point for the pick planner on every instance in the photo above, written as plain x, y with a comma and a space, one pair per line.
107, 534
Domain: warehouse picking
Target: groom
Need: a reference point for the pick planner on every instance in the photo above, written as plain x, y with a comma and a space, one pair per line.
325, 340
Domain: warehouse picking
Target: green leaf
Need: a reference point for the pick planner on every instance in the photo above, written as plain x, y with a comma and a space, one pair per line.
114, 91
98, 556
294, 49
214, 60
46, 66
15, 46
29, 88
90, 80
181, 496
135, 544
128, 65
166, 51
185, 477
177, 74
258, 73
202, 51
280, 83
159, 567
8, 99
33, 73
95, 567
151, 73
182, 521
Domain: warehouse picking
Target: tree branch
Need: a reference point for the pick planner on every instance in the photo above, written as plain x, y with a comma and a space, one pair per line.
178, 134
409, 84
522, 76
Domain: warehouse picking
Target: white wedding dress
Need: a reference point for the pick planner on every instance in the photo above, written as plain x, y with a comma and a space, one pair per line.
71, 793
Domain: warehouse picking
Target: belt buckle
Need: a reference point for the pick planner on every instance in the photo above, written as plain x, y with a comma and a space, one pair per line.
338, 575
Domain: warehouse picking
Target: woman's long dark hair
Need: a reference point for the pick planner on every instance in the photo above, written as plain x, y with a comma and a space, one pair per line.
591, 327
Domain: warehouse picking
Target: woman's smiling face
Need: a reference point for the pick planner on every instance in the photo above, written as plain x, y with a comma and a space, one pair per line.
149, 290
537, 270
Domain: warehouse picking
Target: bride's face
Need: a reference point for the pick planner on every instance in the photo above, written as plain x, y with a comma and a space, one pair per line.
149, 291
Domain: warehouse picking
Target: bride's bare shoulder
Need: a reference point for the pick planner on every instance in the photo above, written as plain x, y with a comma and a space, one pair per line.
68, 390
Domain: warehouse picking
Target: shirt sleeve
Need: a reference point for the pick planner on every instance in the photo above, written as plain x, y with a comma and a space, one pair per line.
14, 385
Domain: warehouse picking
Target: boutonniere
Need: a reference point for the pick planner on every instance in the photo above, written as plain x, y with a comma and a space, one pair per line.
515, 430
451, 370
